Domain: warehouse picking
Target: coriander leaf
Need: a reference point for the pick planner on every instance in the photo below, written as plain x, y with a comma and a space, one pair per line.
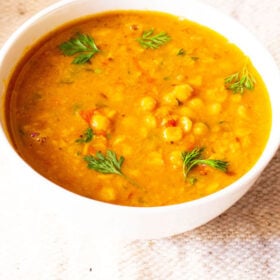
105, 163
214, 163
82, 58
189, 157
239, 81
108, 164
194, 158
149, 40
83, 45
86, 136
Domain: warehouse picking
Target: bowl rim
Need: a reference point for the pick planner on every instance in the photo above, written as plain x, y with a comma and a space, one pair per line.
270, 149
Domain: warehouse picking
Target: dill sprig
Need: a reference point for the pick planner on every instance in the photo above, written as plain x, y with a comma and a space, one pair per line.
149, 40
239, 81
108, 163
194, 158
105, 163
83, 45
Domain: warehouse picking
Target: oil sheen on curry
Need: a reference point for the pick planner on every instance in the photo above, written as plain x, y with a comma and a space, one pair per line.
138, 108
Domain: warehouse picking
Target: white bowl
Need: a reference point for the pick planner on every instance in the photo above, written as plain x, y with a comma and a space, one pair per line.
121, 221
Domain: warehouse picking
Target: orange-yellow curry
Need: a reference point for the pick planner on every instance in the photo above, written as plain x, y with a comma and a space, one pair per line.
138, 108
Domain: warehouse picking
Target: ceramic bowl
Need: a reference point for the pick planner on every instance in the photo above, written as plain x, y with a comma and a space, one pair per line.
88, 215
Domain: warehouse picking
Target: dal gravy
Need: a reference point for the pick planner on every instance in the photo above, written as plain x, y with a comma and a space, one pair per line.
151, 109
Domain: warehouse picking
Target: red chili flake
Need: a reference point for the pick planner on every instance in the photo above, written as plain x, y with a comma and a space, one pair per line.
231, 173
134, 27
87, 115
102, 133
171, 123
91, 150
203, 169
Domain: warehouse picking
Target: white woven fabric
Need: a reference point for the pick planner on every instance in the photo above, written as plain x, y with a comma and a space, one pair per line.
243, 243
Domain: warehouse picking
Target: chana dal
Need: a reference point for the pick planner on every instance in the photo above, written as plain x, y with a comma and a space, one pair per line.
138, 108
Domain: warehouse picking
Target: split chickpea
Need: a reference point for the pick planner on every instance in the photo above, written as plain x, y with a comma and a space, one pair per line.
172, 134
100, 123
148, 103
186, 124
200, 129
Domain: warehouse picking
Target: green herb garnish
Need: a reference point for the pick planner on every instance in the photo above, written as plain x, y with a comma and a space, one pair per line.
108, 163
149, 40
194, 158
86, 136
239, 81
194, 58
192, 180
83, 45
181, 52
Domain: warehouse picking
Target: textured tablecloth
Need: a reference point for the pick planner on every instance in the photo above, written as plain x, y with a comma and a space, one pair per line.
243, 243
